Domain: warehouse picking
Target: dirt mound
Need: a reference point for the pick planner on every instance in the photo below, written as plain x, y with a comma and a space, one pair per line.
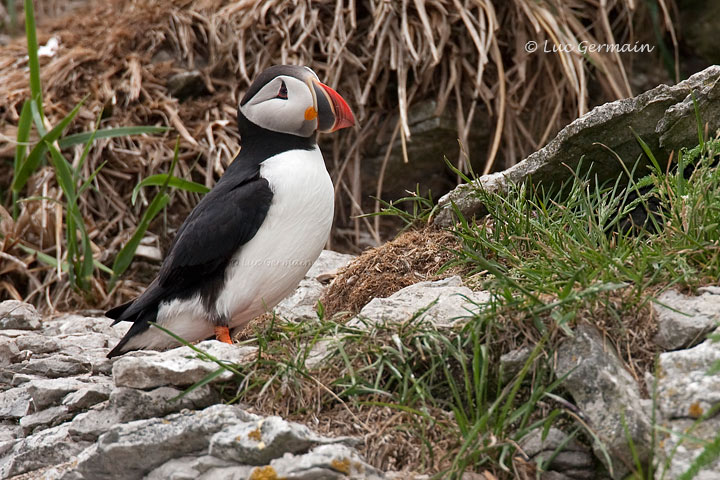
414, 256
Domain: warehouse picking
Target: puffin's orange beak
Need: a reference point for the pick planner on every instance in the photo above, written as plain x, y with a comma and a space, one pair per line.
333, 112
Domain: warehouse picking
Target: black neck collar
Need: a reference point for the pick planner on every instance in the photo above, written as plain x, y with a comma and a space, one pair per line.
258, 144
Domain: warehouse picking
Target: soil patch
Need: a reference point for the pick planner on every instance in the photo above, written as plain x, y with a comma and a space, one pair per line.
414, 256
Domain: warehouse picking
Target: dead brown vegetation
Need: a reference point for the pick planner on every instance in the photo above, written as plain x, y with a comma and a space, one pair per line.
414, 256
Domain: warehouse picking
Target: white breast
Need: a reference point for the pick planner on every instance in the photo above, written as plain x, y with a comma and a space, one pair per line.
270, 266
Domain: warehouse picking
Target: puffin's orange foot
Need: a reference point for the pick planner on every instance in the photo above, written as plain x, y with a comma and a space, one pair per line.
222, 334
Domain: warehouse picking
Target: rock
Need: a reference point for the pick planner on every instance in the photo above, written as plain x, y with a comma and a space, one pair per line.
683, 321
180, 366
675, 455
302, 303
132, 448
127, 404
37, 344
443, 302
684, 388
18, 315
48, 392
607, 395
47, 447
192, 468
56, 366
45, 418
85, 397
556, 453
684, 393
663, 117
9, 352
336, 461
257, 443
63, 417
512, 362
69, 325
14, 403
8, 436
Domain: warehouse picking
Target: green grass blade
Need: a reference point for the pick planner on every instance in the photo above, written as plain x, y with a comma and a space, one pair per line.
32, 48
33, 160
126, 254
43, 257
648, 152
37, 117
164, 179
86, 184
80, 138
88, 262
63, 173
710, 453
23, 135
88, 144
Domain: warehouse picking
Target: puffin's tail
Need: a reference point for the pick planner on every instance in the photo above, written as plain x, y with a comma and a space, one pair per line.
116, 312
140, 325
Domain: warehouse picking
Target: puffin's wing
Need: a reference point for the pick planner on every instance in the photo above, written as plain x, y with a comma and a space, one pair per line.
214, 231
225, 219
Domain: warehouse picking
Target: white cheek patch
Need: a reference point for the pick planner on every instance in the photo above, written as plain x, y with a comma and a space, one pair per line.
289, 115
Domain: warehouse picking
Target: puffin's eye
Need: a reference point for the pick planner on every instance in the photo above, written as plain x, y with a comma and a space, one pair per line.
283, 91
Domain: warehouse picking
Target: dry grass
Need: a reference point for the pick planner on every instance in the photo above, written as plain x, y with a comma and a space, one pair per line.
468, 55
414, 256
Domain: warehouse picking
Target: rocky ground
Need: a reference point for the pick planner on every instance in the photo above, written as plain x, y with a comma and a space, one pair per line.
67, 412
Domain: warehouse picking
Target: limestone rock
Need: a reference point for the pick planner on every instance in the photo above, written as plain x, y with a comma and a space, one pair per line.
63, 417
663, 117
683, 321
45, 418
257, 443
87, 396
9, 352
685, 391
132, 447
608, 396
127, 404
336, 461
14, 403
193, 467
48, 392
512, 362
8, 436
180, 366
56, 366
47, 447
37, 344
18, 315
443, 302
555, 453
675, 455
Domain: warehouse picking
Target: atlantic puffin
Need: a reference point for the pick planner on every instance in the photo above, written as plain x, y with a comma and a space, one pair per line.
253, 237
